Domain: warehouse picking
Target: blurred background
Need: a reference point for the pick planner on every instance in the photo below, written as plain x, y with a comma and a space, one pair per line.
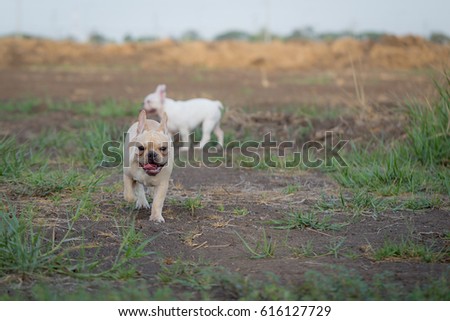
145, 20
250, 54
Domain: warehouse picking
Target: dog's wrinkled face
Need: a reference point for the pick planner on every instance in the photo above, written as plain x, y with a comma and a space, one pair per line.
151, 146
152, 151
154, 103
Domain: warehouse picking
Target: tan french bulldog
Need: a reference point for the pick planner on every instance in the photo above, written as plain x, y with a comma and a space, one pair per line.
150, 164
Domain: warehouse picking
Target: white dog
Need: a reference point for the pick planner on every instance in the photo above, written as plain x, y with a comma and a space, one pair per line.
185, 116
150, 163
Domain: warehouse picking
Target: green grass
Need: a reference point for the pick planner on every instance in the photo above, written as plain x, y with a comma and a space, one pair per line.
189, 280
27, 249
195, 275
416, 165
409, 249
109, 108
363, 202
30, 169
287, 162
95, 290
359, 202
305, 250
420, 202
193, 203
387, 172
240, 211
291, 189
105, 109
334, 248
91, 140
429, 130
301, 220
45, 182
264, 247
22, 106
16, 158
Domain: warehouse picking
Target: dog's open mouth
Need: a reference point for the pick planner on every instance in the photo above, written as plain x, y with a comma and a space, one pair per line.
151, 169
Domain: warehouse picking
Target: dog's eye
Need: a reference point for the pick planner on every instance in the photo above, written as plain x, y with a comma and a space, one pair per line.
163, 149
141, 148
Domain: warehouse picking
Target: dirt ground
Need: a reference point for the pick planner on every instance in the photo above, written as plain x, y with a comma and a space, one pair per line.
209, 234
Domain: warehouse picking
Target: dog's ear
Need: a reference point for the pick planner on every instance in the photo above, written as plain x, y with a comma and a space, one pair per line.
142, 122
163, 124
161, 90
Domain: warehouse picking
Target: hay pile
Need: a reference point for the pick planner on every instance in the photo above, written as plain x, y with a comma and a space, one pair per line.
389, 52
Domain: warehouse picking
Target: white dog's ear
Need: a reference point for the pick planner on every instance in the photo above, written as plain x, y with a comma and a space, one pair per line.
161, 90
163, 124
142, 122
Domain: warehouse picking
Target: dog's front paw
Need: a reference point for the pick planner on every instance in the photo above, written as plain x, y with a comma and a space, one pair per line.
157, 219
142, 203
129, 197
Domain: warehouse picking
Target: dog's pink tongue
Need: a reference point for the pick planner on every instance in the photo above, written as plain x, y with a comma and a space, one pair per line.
150, 167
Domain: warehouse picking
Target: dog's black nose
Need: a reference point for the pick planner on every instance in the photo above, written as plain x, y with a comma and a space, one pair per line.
152, 156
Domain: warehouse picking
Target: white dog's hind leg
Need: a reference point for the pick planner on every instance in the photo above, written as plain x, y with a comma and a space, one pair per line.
184, 133
219, 133
141, 198
207, 128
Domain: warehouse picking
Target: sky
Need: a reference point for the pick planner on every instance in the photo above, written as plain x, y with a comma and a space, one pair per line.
171, 18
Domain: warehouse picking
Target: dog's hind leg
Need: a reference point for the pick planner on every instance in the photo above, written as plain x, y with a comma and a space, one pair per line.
184, 133
219, 133
207, 128
141, 198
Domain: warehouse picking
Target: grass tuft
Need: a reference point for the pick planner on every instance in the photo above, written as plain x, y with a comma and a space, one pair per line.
408, 249
300, 220
193, 203
264, 248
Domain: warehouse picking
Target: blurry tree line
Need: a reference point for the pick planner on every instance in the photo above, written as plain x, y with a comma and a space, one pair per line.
300, 34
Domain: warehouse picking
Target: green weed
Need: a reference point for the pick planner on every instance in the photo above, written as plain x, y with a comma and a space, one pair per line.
357, 203
407, 249
193, 203
305, 250
240, 211
291, 189
335, 246
300, 220
264, 248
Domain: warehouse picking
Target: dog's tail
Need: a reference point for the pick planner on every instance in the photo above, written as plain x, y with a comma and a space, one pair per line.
221, 107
